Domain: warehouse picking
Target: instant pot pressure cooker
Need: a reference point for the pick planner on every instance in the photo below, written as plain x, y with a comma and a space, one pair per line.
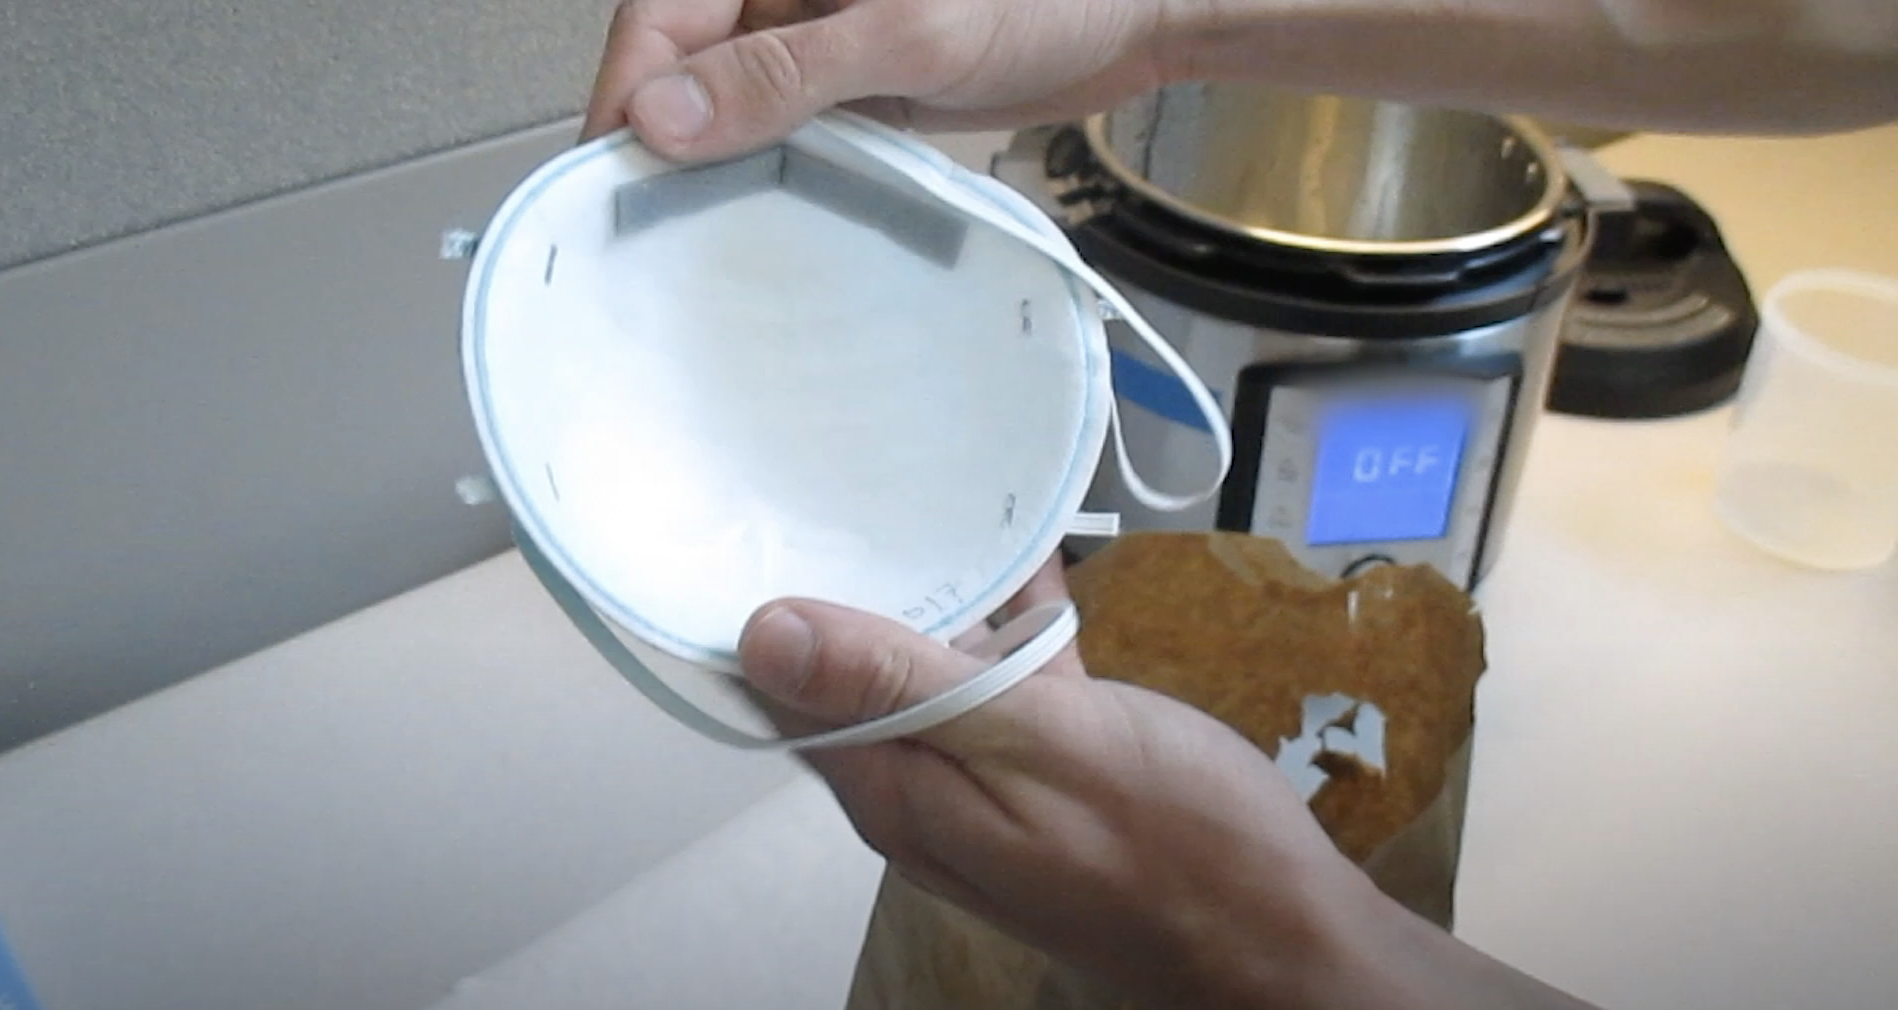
1373, 291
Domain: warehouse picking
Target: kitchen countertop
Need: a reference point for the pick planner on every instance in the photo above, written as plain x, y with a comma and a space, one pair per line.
1686, 765
366, 814
1682, 794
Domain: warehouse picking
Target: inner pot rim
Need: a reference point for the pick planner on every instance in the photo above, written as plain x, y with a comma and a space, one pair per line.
1555, 185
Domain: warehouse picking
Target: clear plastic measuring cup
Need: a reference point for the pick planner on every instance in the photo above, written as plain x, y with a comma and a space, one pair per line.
1810, 469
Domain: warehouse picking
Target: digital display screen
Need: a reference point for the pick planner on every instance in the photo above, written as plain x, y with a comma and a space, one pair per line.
1386, 469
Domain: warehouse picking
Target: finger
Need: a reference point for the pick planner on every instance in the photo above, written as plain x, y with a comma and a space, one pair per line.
1099, 93
943, 797
757, 88
760, 15
646, 38
927, 814
844, 667
1047, 585
968, 640
897, 794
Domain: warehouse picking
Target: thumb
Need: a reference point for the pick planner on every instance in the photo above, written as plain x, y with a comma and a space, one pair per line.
755, 89
840, 667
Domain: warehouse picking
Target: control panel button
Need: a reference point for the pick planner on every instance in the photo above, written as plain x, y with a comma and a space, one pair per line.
1366, 563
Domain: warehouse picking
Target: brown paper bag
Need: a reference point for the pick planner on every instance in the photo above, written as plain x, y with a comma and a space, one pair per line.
1233, 625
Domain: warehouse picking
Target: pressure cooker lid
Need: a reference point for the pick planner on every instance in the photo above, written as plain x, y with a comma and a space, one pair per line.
1332, 174
1665, 321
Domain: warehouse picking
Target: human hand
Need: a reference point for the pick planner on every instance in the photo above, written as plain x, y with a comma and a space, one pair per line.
1123, 832
702, 79
1128, 835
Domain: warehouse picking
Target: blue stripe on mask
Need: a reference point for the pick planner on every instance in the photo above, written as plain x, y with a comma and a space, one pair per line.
14, 995
1156, 390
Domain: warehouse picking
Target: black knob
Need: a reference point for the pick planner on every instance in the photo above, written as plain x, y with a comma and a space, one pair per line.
1366, 562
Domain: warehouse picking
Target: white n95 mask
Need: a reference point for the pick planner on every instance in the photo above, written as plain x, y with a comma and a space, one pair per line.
841, 368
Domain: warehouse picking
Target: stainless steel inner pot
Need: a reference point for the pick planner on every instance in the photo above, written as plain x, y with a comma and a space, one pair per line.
1332, 174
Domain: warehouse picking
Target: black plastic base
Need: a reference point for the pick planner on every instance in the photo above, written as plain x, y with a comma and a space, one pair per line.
1663, 321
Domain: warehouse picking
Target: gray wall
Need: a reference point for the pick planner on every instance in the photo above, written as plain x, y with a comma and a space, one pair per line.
229, 393
230, 400
117, 116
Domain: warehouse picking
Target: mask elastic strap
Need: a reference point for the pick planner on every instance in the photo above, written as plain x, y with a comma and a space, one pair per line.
933, 172
1024, 645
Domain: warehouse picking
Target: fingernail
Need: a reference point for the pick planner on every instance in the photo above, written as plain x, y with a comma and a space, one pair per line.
779, 650
675, 106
